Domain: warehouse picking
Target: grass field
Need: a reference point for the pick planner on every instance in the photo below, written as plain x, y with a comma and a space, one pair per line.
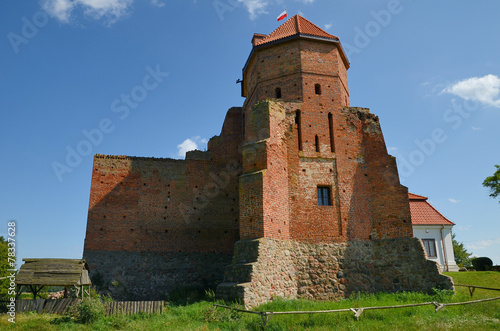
203, 316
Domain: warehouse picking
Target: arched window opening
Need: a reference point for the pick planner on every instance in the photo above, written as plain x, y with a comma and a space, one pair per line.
299, 130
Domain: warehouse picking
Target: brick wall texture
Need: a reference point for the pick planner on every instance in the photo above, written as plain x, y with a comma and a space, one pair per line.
259, 178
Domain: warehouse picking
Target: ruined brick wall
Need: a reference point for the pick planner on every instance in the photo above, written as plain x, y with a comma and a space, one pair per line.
155, 206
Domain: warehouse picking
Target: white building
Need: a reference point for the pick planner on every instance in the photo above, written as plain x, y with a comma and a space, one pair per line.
434, 230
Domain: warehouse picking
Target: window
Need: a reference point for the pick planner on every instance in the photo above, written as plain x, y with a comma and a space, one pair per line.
278, 93
316, 142
330, 126
324, 196
299, 131
317, 89
430, 247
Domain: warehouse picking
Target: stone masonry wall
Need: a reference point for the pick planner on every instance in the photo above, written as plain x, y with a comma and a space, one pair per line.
266, 268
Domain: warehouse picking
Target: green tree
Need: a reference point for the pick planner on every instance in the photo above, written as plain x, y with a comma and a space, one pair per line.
493, 183
462, 257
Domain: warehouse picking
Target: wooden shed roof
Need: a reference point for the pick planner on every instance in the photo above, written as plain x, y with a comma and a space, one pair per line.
53, 272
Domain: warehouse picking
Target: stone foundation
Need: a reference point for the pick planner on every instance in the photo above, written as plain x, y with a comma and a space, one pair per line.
153, 275
266, 268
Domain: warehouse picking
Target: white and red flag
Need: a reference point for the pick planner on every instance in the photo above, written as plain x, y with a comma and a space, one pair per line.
282, 15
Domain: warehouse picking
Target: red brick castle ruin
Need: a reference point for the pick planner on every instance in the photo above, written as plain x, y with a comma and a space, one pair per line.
297, 197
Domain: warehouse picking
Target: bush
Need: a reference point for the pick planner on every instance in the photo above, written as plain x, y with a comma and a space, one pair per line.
482, 263
89, 311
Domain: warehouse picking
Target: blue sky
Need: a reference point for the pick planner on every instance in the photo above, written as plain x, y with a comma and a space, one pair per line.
154, 78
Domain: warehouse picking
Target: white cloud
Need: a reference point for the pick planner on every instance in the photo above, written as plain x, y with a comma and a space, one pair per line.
485, 90
255, 7
475, 128
328, 26
112, 10
482, 244
190, 144
159, 3
453, 200
391, 149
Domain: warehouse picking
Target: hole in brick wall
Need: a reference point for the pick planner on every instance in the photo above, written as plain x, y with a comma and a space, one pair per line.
333, 100
279, 56
102, 182
404, 221
166, 207
144, 184
321, 105
331, 170
304, 170
166, 231
196, 187
343, 191
250, 221
194, 208
132, 230
284, 222
101, 229
279, 231
227, 194
366, 175
104, 216
278, 93
199, 231
236, 220
316, 143
317, 89
294, 84
225, 232
328, 85
124, 216
164, 218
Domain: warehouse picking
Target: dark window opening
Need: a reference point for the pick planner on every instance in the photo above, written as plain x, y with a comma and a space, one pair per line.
324, 196
278, 93
299, 130
317, 89
316, 142
330, 126
430, 247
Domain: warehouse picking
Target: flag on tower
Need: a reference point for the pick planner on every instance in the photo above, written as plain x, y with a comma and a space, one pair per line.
282, 15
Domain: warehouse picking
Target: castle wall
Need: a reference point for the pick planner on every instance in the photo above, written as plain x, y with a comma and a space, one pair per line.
181, 214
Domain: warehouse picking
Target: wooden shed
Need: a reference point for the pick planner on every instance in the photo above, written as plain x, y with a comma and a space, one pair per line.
67, 273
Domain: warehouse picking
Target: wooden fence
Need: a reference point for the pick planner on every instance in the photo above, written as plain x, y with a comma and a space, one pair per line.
61, 306
266, 315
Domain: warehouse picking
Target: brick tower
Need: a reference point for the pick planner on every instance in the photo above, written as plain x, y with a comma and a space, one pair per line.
297, 196
319, 194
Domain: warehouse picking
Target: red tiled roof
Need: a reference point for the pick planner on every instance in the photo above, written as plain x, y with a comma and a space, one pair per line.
423, 213
294, 26
416, 196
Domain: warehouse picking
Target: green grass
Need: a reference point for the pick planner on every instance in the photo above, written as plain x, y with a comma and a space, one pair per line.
203, 316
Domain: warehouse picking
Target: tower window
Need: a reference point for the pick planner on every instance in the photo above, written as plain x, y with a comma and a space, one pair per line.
317, 89
324, 196
330, 126
299, 130
278, 93
316, 142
